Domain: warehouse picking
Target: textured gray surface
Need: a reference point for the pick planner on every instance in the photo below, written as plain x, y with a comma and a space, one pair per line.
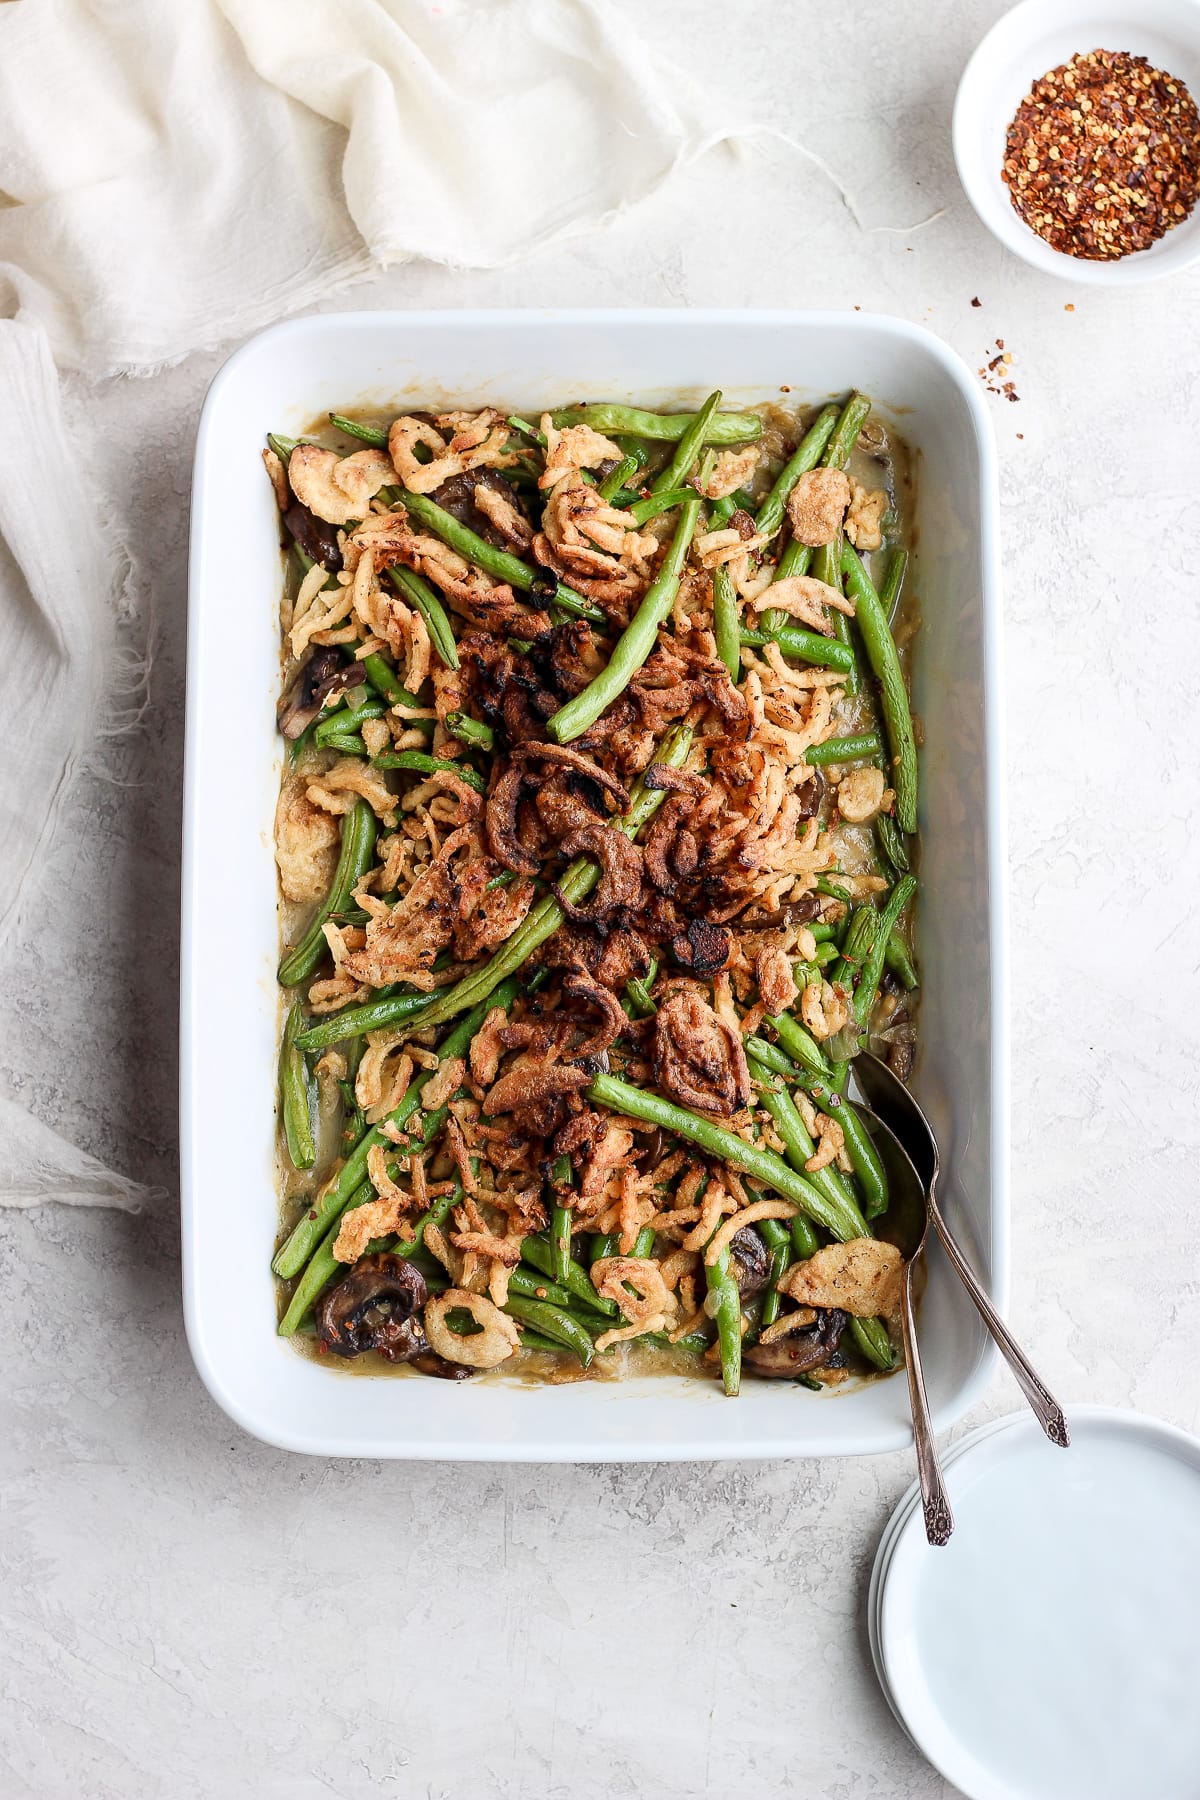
189, 1614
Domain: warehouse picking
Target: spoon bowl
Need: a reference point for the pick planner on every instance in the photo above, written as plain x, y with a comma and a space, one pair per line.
886, 1096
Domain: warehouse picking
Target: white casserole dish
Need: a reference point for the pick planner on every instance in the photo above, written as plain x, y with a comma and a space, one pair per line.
230, 1010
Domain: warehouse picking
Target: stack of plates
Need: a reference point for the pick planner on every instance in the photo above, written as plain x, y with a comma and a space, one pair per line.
1051, 1650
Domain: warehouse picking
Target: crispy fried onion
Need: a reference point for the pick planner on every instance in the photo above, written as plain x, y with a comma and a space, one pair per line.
403, 941
391, 539
698, 1057
650, 1307
823, 1009
350, 777
337, 488
817, 504
577, 447
805, 598
517, 833
732, 470
592, 545
620, 861
861, 1277
478, 441
492, 1344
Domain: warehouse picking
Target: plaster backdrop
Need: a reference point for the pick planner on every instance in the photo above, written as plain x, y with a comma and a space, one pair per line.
187, 1613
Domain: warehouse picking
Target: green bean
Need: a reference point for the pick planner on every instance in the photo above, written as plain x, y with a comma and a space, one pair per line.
862, 746
604, 1243
799, 1044
728, 1314
560, 1241
533, 1340
619, 1096
294, 1096
642, 511
868, 1168
826, 567
898, 959
727, 621
803, 646
552, 1323
333, 1201
795, 560
344, 744
893, 581
636, 641
868, 987
614, 482
687, 451
805, 457
860, 936
776, 1237
537, 1253
872, 1339
501, 564
470, 731
346, 721
354, 1021
845, 435
526, 429
637, 990
382, 677
890, 840
358, 845
885, 664
437, 621
366, 434
609, 419
424, 764
803, 1237
282, 446
528, 1286
799, 1147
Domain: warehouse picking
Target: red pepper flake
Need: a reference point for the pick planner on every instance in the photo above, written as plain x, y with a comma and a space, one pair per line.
995, 371
1103, 155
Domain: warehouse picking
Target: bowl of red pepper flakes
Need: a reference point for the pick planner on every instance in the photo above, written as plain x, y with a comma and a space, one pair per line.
1077, 137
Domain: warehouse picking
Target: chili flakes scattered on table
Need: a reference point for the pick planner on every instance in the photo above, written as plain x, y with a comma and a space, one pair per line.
1103, 155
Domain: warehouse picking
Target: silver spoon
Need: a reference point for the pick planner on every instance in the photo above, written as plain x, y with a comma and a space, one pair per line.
886, 1095
906, 1225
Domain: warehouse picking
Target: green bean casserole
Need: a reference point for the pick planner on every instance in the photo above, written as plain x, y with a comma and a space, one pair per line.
595, 842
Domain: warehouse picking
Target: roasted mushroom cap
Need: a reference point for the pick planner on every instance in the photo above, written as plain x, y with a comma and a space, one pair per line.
326, 672
750, 1262
372, 1309
802, 1351
314, 536
459, 496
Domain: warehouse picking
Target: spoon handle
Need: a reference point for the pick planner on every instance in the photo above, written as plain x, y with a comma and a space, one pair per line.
939, 1520
1047, 1411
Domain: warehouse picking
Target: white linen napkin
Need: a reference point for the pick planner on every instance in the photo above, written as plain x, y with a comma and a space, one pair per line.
172, 176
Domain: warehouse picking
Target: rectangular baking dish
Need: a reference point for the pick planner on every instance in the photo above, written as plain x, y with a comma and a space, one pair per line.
230, 1003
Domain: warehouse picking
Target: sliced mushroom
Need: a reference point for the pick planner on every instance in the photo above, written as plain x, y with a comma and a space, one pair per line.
326, 672
750, 1262
372, 1308
314, 536
803, 1350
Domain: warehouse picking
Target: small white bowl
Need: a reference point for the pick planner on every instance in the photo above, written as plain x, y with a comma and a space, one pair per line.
1026, 43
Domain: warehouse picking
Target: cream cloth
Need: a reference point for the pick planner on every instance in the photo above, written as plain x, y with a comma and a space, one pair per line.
178, 174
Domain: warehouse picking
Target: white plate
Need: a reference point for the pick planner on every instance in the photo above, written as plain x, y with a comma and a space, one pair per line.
1028, 42
230, 1007
1049, 1651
